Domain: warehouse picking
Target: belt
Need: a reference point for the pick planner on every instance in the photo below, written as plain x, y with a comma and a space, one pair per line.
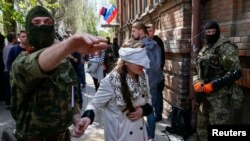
55, 137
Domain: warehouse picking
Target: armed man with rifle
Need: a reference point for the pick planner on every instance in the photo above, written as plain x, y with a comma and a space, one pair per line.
218, 67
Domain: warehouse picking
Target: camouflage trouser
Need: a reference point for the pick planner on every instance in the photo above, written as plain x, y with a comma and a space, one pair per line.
218, 113
65, 136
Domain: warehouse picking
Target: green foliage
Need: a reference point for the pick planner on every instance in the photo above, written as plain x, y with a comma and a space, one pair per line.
113, 2
7, 8
104, 34
51, 5
80, 18
76, 14
91, 22
18, 16
22, 6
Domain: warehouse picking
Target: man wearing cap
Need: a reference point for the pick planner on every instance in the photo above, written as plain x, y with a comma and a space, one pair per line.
154, 72
42, 80
218, 67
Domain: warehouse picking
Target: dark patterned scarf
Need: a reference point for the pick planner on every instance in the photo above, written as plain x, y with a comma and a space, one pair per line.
136, 89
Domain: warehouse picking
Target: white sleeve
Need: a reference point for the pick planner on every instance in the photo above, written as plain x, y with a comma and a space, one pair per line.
103, 95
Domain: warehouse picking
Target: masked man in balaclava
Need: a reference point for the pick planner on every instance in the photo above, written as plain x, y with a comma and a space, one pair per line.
43, 103
218, 67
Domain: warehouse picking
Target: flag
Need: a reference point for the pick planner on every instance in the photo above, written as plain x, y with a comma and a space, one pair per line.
103, 11
110, 15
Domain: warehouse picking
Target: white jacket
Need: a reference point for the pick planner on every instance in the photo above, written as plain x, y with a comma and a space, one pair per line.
117, 126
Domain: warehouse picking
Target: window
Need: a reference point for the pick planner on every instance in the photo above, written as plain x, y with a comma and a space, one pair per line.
156, 2
125, 10
135, 8
144, 5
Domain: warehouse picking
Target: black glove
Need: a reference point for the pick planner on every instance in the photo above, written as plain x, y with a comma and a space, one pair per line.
90, 114
147, 109
227, 79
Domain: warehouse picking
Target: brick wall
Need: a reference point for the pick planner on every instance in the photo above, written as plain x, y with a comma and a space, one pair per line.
173, 22
176, 32
177, 79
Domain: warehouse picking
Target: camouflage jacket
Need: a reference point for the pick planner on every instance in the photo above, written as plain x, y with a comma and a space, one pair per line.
214, 62
41, 102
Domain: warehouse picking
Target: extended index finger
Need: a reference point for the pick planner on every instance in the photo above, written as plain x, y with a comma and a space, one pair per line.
101, 39
97, 39
100, 46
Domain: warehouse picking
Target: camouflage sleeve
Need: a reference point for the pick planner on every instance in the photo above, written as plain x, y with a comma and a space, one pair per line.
26, 71
197, 69
231, 64
229, 57
23, 77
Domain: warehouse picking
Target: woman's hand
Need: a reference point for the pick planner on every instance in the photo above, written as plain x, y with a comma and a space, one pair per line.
80, 127
133, 116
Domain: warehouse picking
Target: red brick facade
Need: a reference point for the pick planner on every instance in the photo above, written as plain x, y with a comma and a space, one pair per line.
173, 20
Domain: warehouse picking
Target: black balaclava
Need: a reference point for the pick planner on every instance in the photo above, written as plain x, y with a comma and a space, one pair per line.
211, 39
39, 36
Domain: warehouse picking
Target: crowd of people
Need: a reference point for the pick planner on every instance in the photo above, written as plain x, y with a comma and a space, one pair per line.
15, 45
43, 81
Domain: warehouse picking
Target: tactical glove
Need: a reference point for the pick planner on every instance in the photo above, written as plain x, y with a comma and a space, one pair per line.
208, 88
198, 87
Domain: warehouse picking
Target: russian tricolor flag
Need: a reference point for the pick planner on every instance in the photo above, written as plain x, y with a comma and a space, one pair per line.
103, 11
110, 15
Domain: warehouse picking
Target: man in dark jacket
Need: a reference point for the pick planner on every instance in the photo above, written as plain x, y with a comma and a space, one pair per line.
158, 105
155, 75
2, 44
17, 49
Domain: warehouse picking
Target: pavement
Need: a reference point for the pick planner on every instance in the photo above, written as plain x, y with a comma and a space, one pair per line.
94, 132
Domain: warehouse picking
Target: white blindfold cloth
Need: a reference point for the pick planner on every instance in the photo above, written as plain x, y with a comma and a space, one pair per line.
136, 56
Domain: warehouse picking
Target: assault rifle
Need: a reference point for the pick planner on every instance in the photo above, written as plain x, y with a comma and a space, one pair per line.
201, 98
